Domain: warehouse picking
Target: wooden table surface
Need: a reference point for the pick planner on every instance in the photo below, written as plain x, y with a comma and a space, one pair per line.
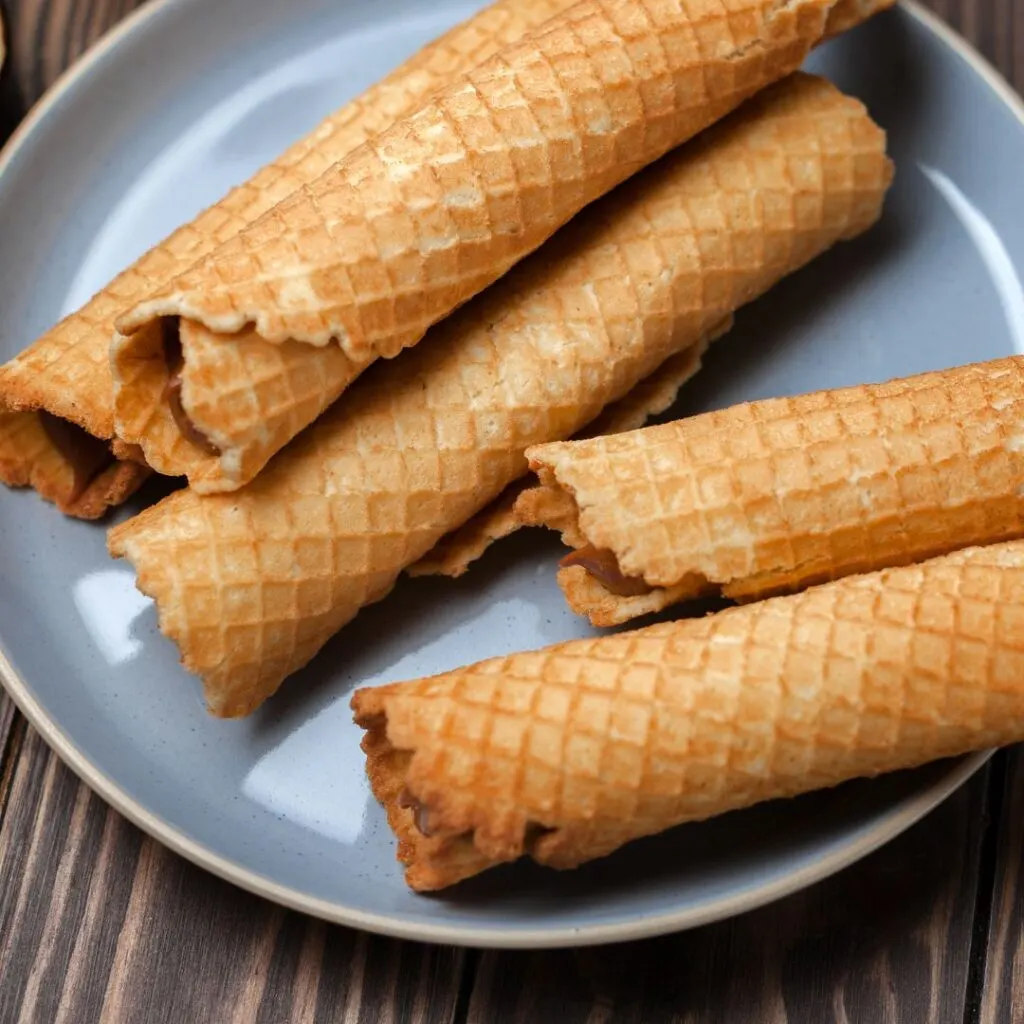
99, 922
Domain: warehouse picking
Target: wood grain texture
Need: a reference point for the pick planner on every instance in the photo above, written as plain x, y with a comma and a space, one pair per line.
1002, 995
9, 745
46, 36
97, 922
886, 940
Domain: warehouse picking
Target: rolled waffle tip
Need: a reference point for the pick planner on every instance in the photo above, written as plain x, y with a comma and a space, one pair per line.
66, 466
456, 552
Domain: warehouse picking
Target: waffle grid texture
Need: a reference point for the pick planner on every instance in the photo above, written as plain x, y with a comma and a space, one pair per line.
67, 371
771, 496
250, 585
457, 551
566, 754
414, 223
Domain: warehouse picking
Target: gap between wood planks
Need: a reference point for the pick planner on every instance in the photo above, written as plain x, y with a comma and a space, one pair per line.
12, 732
985, 896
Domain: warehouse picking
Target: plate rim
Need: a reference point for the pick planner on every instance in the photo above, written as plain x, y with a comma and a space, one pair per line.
910, 812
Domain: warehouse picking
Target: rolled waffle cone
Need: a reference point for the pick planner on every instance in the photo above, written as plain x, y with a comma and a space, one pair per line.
771, 496
66, 372
250, 585
566, 754
410, 226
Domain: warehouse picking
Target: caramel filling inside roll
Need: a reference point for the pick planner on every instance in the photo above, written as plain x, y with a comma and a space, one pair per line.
604, 567
420, 812
171, 328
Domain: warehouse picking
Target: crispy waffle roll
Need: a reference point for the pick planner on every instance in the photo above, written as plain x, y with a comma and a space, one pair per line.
565, 754
250, 585
67, 371
771, 496
358, 264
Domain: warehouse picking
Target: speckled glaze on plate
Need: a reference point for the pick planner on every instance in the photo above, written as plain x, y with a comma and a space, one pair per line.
188, 98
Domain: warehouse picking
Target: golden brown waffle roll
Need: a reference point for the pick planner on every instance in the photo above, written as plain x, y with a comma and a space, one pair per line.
358, 264
771, 496
565, 754
67, 371
250, 585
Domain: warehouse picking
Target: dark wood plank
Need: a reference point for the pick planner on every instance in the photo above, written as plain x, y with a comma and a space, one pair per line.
11, 729
1002, 995
887, 940
8, 713
994, 27
98, 922
45, 36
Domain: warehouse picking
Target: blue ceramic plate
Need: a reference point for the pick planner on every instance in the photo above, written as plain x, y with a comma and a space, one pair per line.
190, 97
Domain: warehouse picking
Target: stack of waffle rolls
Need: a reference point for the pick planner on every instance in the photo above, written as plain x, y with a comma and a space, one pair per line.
66, 372
217, 371
771, 496
251, 584
565, 754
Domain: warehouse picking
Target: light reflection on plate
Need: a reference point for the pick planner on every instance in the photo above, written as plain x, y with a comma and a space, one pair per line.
109, 603
990, 247
323, 802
